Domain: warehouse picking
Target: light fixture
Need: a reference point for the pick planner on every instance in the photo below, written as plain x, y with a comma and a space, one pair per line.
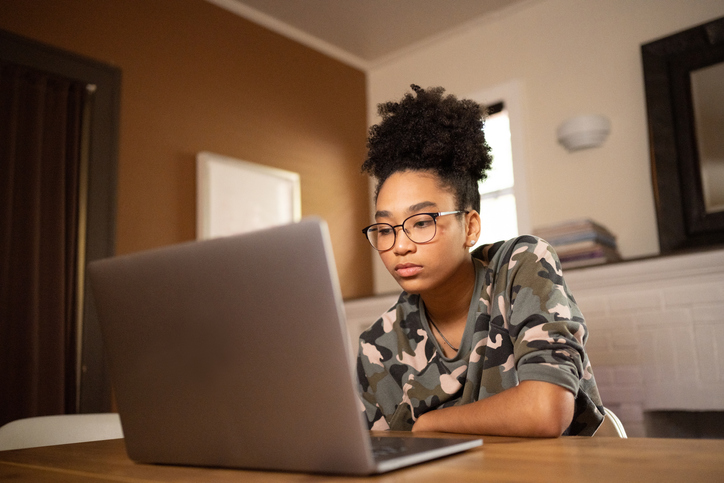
581, 132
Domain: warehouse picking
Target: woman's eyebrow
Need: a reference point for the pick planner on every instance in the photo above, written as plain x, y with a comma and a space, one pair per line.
419, 206
412, 209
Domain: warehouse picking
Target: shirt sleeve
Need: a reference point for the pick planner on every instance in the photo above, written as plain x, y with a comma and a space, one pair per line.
366, 380
531, 302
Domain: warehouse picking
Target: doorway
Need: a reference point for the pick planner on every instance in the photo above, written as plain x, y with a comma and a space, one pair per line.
90, 389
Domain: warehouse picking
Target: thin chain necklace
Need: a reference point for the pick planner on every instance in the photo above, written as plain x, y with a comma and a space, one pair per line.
440, 332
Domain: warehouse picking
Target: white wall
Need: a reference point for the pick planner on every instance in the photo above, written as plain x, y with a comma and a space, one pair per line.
569, 57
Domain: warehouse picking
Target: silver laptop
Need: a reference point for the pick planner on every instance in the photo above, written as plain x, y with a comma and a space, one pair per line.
233, 352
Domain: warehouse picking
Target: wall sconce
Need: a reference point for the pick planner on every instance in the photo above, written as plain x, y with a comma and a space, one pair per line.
583, 132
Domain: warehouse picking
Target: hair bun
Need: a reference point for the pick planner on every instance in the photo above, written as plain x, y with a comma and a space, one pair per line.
429, 131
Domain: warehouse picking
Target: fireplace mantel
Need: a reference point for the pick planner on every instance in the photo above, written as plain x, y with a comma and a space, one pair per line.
692, 265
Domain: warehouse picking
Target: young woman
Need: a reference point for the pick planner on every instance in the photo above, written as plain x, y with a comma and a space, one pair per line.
490, 342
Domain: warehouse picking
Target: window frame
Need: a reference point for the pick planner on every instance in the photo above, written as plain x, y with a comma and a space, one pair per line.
509, 94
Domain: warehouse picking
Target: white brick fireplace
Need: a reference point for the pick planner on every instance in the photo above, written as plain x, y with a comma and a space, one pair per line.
656, 332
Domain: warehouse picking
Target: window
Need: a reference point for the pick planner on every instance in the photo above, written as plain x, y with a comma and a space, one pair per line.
497, 195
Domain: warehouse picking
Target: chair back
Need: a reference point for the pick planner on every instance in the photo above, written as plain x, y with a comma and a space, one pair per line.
61, 429
611, 425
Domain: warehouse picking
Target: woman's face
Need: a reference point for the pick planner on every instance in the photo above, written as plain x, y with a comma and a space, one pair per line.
425, 267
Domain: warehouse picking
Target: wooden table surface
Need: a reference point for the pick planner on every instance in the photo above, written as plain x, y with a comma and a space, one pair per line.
563, 459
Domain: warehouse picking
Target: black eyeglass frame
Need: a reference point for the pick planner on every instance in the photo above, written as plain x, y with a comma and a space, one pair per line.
434, 217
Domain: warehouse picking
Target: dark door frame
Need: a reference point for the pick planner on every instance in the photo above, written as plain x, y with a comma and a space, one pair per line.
95, 387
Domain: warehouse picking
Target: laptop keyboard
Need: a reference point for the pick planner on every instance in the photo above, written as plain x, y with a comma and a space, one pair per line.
385, 448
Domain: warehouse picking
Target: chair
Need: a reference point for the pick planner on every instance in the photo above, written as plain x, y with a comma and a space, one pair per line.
611, 425
61, 429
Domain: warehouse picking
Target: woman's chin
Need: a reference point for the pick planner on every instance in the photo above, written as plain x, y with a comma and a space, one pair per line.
411, 285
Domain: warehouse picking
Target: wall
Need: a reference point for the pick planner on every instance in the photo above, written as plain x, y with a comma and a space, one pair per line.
569, 57
198, 78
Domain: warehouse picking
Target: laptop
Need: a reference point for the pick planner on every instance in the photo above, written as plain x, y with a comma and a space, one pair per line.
233, 352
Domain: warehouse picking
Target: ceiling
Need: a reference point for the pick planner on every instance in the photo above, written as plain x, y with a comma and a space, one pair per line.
364, 33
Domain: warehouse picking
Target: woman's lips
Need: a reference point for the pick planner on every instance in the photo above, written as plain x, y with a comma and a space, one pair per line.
407, 269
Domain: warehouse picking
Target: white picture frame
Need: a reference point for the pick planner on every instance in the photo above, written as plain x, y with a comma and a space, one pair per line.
236, 196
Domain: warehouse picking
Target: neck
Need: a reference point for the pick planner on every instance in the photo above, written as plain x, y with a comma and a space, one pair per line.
450, 303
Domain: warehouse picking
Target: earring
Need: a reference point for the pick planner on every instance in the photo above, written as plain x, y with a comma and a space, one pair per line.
472, 242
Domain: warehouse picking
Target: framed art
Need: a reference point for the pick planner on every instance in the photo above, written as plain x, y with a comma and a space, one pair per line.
235, 196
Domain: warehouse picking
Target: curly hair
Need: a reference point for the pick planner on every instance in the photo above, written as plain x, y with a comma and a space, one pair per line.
431, 132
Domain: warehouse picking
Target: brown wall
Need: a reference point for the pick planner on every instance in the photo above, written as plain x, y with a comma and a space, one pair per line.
198, 78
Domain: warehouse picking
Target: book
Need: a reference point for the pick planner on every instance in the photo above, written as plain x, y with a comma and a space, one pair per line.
574, 238
584, 263
574, 227
588, 250
581, 242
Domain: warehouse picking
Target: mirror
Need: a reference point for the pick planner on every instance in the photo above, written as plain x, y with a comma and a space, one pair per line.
683, 76
707, 93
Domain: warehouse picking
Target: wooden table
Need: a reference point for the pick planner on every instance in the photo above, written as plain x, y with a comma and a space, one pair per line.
575, 459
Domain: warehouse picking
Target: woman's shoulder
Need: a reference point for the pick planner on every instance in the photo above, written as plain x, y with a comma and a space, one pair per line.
503, 250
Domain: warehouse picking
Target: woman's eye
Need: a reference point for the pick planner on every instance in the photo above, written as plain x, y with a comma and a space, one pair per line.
422, 224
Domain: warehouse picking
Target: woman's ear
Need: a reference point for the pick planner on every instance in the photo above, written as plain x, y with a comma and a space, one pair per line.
472, 228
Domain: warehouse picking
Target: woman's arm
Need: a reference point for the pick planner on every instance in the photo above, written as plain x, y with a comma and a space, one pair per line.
532, 408
529, 306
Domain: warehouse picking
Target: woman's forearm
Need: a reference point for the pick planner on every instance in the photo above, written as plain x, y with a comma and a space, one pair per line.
533, 409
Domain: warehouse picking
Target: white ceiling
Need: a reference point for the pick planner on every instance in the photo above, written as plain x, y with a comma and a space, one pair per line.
364, 33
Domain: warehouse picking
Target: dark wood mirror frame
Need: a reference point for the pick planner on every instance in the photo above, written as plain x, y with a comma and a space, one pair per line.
683, 221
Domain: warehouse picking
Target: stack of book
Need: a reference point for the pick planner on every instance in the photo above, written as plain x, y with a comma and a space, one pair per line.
580, 243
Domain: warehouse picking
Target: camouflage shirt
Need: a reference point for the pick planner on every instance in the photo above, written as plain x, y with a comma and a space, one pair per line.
523, 324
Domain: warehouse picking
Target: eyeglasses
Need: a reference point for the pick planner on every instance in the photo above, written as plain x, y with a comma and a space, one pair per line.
419, 228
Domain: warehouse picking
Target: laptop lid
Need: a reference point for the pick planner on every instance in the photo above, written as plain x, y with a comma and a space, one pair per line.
233, 352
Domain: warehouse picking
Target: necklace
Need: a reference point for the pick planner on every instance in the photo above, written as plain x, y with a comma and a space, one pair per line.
440, 332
